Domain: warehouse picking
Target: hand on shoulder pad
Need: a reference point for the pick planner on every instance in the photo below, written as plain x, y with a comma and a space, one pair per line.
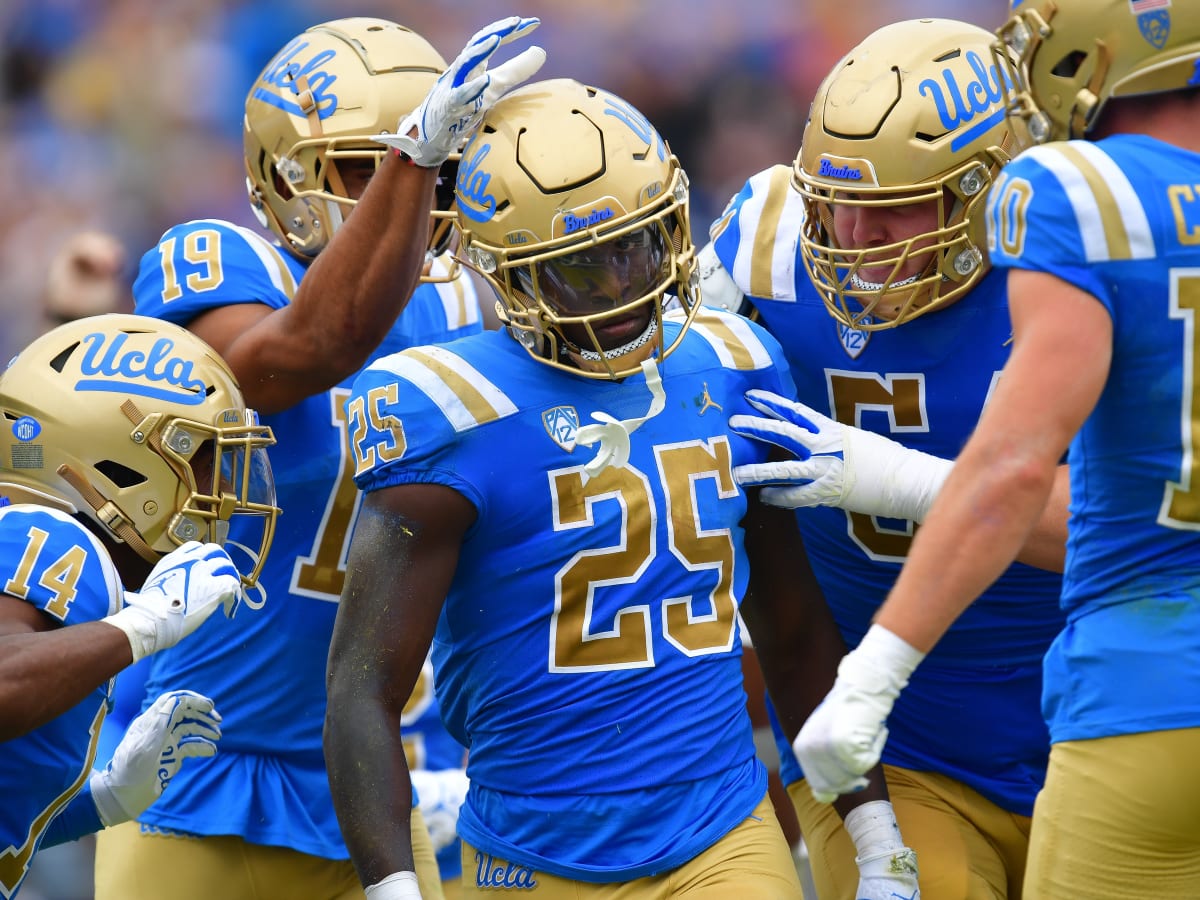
835, 464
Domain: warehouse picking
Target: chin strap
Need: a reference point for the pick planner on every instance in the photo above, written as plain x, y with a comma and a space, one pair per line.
613, 434
108, 513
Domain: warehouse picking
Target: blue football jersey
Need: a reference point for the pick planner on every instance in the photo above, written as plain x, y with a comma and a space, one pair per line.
971, 710
1120, 218
587, 652
51, 561
266, 670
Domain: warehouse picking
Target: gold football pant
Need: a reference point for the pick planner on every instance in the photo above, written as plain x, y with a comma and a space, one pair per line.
1119, 819
752, 862
132, 865
967, 847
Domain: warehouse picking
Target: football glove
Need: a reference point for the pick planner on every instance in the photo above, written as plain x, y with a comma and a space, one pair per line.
456, 103
397, 886
442, 794
886, 868
836, 465
183, 590
178, 725
844, 736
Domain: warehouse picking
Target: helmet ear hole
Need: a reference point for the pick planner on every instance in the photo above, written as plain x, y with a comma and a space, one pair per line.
120, 475
1068, 66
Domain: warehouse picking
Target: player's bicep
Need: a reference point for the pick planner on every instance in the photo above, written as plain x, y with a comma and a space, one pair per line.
1062, 352
402, 560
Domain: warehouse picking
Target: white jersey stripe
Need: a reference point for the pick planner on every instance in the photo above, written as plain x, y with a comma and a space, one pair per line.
467, 402
1101, 199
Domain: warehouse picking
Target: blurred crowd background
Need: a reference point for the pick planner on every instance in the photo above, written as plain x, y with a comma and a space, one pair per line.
125, 115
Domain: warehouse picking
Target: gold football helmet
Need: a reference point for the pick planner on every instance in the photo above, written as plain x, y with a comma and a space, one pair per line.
573, 208
910, 123
1072, 56
316, 106
138, 424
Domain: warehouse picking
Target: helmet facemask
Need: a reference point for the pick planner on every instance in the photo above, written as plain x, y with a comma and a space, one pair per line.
923, 271
564, 297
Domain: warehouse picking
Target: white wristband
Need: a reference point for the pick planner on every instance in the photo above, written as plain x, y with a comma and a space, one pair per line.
880, 664
873, 829
140, 628
397, 886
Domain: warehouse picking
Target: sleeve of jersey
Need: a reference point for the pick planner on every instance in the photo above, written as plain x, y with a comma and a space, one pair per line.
51, 561
208, 263
757, 236
410, 413
1066, 209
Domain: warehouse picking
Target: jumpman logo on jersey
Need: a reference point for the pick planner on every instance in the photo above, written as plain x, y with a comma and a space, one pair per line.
706, 401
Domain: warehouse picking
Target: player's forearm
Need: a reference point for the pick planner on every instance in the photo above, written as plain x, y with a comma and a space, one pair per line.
36, 685
355, 289
370, 785
980, 521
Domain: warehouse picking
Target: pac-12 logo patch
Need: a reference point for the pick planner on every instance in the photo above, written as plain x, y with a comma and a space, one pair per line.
562, 424
853, 340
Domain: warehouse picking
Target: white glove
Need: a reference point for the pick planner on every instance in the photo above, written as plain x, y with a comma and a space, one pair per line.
183, 590
844, 736
886, 868
836, 465
456, 103
442, 794
397, 886
178, 725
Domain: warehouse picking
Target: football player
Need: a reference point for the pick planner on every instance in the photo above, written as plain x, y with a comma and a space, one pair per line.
868, 262
1096, 231
128, 454
297, 315
552, 507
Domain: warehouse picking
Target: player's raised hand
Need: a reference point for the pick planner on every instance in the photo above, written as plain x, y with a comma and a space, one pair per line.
456, 103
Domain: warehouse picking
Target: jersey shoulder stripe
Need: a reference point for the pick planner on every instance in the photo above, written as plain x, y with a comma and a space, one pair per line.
732, 338
770, 219
1112, 221
466, 398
